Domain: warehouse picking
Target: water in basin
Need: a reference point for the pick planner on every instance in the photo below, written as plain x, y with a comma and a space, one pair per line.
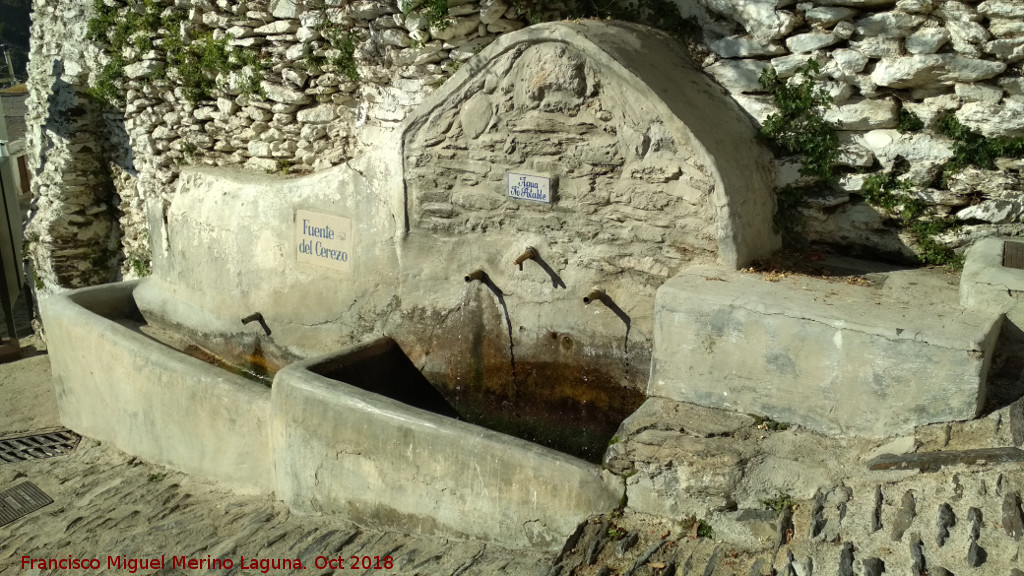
570, 409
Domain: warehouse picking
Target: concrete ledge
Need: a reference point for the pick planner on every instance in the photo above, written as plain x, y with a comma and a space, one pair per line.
834, 357
117, 385
384, 463
986, 284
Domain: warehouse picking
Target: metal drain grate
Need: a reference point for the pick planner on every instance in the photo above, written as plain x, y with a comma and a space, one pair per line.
1013, 255
37, 446
21, 500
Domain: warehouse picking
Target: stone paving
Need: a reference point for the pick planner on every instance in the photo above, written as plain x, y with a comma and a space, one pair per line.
110, 504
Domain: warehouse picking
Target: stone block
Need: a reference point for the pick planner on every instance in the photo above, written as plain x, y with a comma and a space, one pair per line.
994, 120
739, 75
986, 284
824, 17
664, 414
888, 25
864, 114
1003, 8
927, 40
923, 70
759, 17
744, 47
811, 41
834, 357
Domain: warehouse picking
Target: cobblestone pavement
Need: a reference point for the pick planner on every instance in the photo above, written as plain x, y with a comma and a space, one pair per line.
107, 503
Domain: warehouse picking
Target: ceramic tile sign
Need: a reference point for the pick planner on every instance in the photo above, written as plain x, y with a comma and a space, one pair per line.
527, 187
323, 240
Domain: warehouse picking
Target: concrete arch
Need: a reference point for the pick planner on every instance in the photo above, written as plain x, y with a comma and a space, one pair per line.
654, 69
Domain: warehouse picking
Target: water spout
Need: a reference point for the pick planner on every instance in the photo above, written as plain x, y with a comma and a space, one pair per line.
257, 317
529, 254
478, 275
595, 294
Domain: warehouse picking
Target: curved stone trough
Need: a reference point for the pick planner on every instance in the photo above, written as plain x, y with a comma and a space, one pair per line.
320, 444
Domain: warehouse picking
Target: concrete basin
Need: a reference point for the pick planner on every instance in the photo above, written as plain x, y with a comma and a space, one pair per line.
344, 447
116, 384
321, 444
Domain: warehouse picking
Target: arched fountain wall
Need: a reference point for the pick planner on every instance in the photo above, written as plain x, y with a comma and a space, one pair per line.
652, 167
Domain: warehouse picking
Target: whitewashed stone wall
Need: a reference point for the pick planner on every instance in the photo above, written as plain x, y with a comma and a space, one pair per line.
927, 56
307, 121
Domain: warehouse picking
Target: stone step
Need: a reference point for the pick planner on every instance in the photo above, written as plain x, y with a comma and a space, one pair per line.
795, 348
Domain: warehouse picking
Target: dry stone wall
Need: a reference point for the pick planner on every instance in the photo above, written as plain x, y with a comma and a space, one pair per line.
878, 57
74, 144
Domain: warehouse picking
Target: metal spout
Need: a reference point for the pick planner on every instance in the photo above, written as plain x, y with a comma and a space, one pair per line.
257, 317
478, 275
529, 254
595, 294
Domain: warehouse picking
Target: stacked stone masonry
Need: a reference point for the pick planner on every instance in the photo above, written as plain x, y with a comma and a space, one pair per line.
623, 180
877, 57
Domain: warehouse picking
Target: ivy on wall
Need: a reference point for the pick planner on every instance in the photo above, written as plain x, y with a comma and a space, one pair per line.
973, 149
145, 29
799, 129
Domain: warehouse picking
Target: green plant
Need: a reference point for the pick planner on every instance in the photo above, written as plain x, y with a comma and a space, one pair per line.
887, 191
139, 266
799, 127
909, 122
435, 11
766, 423
312, 58
158, 477
284, 166
188, 149
145, 25
781, 502
346, 60
199, 61
704, 530
973, 149
345, 44
788, 201
697, 528
616, 533
891, 193
931, 251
